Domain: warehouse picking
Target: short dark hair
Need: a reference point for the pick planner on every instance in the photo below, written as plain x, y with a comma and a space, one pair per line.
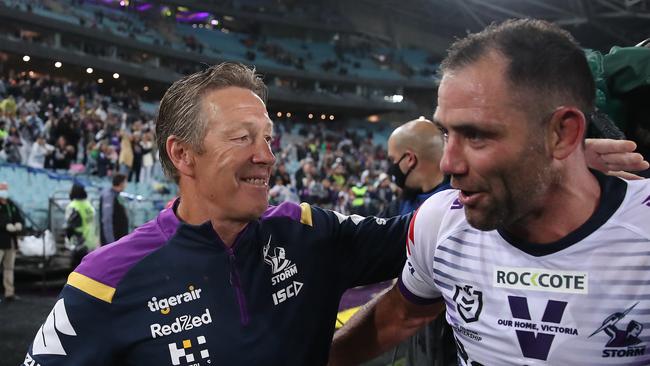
542, 58
179, 112
118, 179
78, 192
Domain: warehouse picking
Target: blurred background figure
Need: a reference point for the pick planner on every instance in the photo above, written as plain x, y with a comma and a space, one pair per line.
81, 230
11, 226
114, 221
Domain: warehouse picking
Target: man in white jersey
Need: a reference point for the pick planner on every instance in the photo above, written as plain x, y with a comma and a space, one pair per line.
537, 259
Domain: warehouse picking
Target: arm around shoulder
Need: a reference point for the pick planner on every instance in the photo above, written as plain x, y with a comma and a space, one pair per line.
378, 326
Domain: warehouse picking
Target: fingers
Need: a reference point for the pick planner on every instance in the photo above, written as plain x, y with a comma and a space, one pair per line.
624, 175
624, 161
607, 146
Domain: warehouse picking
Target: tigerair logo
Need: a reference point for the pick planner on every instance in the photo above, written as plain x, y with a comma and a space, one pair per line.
164, 305
537, 279
186, 354
181, 324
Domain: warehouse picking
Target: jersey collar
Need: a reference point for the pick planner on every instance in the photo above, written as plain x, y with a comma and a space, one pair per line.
612, 194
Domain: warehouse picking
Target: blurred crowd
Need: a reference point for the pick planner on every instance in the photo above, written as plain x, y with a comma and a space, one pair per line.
338, 168
62, 125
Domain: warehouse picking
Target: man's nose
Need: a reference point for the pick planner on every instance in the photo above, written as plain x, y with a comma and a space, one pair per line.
263, 153
453, 160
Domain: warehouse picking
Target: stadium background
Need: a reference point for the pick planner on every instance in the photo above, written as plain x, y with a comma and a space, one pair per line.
341, 75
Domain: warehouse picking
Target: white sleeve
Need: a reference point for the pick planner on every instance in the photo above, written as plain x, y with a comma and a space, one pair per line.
417, 282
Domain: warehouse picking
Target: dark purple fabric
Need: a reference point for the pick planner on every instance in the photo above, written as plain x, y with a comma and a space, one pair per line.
286, 209
415, 299
110, 263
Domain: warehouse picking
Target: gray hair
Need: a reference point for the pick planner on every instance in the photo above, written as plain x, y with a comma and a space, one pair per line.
180, 108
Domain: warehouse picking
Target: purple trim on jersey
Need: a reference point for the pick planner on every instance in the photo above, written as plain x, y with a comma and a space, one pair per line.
415, 299
285, 209
110, 263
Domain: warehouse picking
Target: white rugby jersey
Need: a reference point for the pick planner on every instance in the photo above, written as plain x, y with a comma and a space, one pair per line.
583, 300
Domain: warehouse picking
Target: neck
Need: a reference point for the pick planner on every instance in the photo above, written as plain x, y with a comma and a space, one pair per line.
195, 211
566, 206
431, 180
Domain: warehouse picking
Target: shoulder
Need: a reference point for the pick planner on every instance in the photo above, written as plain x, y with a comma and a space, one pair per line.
438, 217
102, 270
634, 210
299, 213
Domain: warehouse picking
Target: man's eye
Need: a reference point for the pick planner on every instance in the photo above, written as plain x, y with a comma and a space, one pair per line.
473, 135
242, 138
444, 132
268, 139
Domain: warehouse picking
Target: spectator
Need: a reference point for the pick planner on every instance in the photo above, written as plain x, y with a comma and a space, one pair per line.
114, 221
126, 156
39, 153
80, 223
11, 226
63, 154
147, 157
136, 147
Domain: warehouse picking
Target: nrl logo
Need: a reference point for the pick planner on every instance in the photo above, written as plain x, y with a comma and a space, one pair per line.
469, 303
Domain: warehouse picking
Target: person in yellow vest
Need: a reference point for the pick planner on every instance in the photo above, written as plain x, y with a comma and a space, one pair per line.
80, 223
359, 199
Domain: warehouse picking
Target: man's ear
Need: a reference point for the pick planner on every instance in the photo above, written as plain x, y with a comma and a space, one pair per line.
567, 128
181, 155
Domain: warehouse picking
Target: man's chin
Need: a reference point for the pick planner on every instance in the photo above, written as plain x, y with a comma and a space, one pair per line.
481, 221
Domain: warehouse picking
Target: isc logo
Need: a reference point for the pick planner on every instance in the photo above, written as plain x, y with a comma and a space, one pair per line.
290, 291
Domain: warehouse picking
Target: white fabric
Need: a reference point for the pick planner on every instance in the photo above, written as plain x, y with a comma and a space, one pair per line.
601, 279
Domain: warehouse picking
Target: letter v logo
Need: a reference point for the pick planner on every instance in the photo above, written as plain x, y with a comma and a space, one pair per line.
536, 345
47, 340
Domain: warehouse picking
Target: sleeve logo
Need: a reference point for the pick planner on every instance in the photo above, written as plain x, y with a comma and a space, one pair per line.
47, 340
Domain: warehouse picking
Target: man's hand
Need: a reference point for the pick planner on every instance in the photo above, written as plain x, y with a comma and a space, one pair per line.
615, 157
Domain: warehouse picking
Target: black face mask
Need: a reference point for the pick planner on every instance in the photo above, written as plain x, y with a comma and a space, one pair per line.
399, 177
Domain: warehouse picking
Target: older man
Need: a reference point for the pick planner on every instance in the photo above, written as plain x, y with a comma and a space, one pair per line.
219, 278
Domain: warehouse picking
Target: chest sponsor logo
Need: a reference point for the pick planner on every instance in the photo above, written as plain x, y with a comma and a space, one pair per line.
536, 337
164, 305
189, 352
647, 201
47, 341
180, 324
624, 341
469, 303
281, 267
537, 279
288, 292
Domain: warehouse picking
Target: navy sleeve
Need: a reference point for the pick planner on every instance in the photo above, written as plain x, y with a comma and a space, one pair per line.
76, 332
370, 249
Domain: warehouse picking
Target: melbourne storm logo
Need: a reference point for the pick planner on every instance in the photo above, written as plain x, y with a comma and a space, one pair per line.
278, 260
469, 303
622, 342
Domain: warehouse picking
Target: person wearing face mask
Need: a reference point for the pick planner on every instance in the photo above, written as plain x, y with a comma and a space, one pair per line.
11, 225
414, 150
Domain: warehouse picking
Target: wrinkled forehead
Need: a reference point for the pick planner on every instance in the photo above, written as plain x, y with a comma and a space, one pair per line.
475, 92
233, 105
